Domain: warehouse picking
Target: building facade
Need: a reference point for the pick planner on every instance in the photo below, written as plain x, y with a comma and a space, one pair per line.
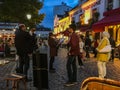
61, 9
99, 15
61, 19
110, 21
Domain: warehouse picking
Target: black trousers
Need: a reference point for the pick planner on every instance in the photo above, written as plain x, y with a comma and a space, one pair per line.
87, 52
52, 59
79, 60
24, 61
95, 52
112, 55
71, 69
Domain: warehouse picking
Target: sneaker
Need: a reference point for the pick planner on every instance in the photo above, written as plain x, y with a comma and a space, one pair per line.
69, 84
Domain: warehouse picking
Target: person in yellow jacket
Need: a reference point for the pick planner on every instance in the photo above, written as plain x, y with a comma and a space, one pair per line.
103, 57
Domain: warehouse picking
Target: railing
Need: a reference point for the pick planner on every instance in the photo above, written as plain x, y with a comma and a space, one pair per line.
95, 83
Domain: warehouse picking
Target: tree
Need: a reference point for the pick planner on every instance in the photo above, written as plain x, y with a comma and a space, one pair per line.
16, 11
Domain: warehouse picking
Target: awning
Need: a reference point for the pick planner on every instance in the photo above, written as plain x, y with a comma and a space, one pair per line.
85, 28
111, 19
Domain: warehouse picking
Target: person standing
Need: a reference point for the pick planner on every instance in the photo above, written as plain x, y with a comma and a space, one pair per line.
87, 46
33, 39
53, 51
112, 43
73, 52
22, 44
95, 46
81, 45
101, 56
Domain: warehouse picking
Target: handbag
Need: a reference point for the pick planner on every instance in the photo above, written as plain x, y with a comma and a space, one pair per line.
106, 49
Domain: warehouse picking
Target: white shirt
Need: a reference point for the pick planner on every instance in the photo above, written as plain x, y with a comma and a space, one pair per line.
81, 45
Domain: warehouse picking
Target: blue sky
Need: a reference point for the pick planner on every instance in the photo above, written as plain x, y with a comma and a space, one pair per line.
48, 10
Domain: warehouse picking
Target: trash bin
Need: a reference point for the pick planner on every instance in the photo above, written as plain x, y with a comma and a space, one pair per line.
40, 70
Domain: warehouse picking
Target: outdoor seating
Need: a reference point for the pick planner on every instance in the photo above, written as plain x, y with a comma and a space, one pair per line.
95, 83
15, 81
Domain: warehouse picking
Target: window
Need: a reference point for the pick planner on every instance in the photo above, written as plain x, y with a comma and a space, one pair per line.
110, 5
82, 19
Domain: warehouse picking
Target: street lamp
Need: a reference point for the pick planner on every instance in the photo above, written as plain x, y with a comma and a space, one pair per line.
28, 16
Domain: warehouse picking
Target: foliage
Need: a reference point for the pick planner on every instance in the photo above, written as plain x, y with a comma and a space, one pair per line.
16, 11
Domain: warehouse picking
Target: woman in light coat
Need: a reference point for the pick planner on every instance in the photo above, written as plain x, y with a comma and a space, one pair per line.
103, 57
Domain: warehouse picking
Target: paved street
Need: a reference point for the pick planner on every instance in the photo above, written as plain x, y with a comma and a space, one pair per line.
57, 80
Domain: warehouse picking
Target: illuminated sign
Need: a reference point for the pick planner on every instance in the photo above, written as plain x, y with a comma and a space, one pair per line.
88, 4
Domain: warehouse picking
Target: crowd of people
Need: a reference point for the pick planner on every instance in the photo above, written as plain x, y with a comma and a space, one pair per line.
26, 43
76, 46
5, 46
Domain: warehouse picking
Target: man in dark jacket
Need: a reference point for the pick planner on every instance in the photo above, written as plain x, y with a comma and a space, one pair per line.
33, 39
73, 52
22, 44
87, 46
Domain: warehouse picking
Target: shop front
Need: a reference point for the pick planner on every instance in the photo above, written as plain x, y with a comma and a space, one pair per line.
110, 23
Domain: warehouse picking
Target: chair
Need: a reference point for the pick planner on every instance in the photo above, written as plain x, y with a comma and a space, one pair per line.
15, 80
95, 83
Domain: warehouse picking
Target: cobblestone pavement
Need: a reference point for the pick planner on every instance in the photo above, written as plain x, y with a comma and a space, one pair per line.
57, 80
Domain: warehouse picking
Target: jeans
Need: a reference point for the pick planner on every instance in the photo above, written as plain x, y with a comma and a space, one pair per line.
101, 69
71, 69
24, 64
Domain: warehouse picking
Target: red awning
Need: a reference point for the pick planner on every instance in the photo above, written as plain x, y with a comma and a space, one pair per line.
110, 19
85, 28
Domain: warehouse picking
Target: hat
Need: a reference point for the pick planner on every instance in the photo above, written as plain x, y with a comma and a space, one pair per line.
105, 34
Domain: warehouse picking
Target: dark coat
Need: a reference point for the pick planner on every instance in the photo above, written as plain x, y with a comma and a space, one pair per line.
74, 44
112, 42
88, 42
53, 46
22, 42
33, 42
